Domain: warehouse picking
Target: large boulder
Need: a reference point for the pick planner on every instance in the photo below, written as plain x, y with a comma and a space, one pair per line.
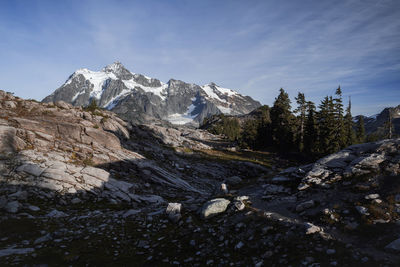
214, 207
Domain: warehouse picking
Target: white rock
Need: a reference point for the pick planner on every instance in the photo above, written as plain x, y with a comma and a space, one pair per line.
311, 228
59, 175
214, 207
242, 198
239, 205
224, 188
372, 196
96, 172
174, 211
93, 181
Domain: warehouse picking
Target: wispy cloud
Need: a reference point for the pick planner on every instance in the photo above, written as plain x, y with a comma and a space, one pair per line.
254, 48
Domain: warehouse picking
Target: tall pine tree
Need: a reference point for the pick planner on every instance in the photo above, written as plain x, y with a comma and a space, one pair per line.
348, 127
339, 140
301, 118
311, 130
360, 130
327, 127
282, 118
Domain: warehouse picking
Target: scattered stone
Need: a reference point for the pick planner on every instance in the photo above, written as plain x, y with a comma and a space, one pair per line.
33, 208
377, 201
372, 196
241, 198
224, 188
76, 200
239, 205
56, 214
12, 207
311, 228
305, 205
174, 211
239, 245
362, 210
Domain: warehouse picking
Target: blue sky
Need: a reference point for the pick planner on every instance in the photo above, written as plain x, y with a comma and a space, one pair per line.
254, 47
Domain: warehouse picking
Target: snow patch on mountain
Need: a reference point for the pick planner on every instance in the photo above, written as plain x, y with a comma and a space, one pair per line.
159, 91
96, 78
225, 110
227, 91
184, 118
114, 101
211, 94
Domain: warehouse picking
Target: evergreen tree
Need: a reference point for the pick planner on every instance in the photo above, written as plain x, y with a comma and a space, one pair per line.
348, 127
360, 130
311, 130
231, 128
264, 134
92, 106
282, 121
249, 135
301, 111
339, 140
327, 127
390, 124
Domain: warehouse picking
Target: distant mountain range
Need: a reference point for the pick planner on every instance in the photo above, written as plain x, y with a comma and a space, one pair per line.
138, 98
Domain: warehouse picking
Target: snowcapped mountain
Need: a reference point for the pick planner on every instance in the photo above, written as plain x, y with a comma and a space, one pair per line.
139, 98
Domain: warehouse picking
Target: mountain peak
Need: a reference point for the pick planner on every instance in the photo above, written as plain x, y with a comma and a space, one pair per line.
114, 67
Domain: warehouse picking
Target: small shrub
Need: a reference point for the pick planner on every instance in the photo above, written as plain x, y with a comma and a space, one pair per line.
88, 162
92, 106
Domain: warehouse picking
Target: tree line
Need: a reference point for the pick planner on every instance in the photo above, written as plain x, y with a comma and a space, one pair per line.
320, 130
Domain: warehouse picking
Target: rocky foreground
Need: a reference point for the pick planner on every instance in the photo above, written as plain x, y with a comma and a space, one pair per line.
81, 187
